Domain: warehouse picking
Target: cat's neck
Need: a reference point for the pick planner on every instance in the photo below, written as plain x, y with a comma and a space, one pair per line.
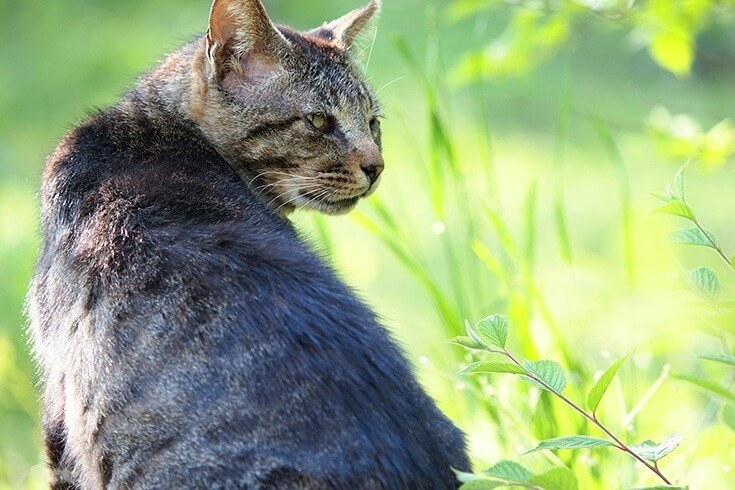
174, 88
177, 91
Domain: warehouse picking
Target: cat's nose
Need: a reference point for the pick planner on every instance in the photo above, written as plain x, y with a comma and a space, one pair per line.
373, 170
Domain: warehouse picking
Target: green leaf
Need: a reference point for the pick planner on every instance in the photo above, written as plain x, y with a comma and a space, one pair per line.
492, 367
650, 451
673, 50
482, 485
661, 196
708, 386
572, 442
722, 358
550, 372
509, 471
661, 487
466, 342
465, 477
493, 330
598, 391
559, 478
694, 236
727, 415
679, 183
706, 283
677, 208
471, 481
475, 337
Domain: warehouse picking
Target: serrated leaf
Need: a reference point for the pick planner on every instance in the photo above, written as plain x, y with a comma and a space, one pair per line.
465, 342
559, 478
473, 335
661, 196
471, 481
677, 208
650, 451
679, 183
706, 283
671, 193
727, 415
721, 358
482, 485
708, 386
661, 487
598, 391
493, 330
465, 477
492, 367
550, 372
694, 236
572, 442
508, 471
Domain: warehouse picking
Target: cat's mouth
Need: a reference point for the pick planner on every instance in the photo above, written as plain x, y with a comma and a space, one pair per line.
330, 204
326, 199
350, 201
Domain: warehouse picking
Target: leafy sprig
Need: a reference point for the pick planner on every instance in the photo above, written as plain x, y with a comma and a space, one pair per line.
706, 284
675, 203
512, 474
490, 335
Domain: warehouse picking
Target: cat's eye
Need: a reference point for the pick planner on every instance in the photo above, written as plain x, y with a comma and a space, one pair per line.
375, 127
319, 121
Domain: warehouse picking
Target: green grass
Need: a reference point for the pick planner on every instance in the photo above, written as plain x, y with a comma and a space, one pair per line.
526, 195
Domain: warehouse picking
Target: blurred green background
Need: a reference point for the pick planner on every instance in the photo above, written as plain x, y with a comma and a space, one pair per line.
522, 141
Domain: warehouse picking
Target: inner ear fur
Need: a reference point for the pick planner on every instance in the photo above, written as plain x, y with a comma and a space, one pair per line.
344, 31
242, 38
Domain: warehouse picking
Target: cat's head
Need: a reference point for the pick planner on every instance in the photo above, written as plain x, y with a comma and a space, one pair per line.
290, 110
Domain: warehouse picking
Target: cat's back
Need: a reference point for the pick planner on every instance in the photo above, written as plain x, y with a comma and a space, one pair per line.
197, 341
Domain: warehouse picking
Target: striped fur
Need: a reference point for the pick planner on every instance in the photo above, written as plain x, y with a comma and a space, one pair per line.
185, 335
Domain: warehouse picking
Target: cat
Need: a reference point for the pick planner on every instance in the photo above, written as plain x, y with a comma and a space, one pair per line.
186, 335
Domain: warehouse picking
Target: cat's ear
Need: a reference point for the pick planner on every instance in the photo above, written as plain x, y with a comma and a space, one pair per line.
344, 31
241, 37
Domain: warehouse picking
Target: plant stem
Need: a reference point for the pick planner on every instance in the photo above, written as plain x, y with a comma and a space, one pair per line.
714, 244
591, 417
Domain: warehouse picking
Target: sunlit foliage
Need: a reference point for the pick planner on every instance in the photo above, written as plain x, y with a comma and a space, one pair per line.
523, 142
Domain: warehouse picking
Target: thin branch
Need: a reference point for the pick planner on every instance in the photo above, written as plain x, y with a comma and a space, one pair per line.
714, 244
591, 417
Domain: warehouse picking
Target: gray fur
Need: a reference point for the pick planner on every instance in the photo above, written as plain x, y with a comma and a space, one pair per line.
185, 334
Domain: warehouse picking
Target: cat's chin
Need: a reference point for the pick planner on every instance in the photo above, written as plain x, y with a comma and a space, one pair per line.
334, 208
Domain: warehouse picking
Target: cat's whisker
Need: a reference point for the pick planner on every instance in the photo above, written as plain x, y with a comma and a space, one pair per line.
273, 172
389, 84
319, 196
272, 201
287, 202
289, 190
259, 190
372, 45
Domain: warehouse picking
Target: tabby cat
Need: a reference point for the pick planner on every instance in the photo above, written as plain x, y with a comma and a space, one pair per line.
186, 336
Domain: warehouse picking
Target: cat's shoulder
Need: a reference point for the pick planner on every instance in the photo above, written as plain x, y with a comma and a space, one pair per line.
124, 187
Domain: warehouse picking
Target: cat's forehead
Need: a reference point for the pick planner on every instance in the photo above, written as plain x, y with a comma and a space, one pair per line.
329, 72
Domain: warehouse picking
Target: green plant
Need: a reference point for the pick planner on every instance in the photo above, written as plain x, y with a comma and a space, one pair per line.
473, 248
539, 30
704, 281
489, 336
